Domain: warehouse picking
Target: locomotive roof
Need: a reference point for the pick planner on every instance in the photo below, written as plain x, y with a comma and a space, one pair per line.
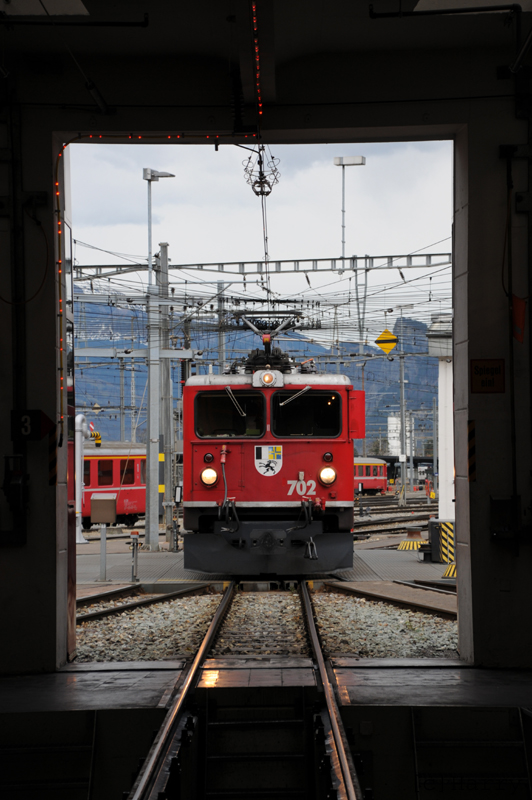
289, 380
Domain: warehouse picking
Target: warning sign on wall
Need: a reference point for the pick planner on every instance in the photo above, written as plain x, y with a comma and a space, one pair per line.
487, 375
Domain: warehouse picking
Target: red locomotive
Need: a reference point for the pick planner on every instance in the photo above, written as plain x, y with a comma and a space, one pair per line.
268, 453
371, 475
119, 468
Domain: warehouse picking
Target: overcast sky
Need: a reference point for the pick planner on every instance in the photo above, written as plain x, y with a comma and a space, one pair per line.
399, 202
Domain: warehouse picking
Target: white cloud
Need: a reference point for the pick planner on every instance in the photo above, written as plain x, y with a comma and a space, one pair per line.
399, 202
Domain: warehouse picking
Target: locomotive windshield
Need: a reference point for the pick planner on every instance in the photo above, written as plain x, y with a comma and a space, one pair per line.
315, 413
218, 415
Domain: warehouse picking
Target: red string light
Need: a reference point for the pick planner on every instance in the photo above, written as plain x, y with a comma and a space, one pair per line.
257, 57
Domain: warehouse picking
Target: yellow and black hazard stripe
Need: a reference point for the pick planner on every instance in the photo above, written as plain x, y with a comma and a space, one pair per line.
450, 572
447, 542
410, 544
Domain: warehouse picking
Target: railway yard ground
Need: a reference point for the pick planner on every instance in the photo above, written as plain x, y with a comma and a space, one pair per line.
314, 690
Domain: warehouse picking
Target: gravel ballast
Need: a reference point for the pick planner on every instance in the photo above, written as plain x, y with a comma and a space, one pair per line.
371, 629
266, 624
153, 633
263, 624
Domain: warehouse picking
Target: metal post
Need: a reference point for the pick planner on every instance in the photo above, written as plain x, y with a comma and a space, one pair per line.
81, 433
411, 426
403, 421
133, 403
343, 212
166, 393
103, 551
153, 421
122, 410
435, 465
363, 389
135, 556
150, 266
221, 335
133, 393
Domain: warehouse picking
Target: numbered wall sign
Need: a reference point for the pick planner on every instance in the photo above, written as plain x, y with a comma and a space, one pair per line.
29, 426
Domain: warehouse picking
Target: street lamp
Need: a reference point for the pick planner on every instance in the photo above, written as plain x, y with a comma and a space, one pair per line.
152, 175
347, 161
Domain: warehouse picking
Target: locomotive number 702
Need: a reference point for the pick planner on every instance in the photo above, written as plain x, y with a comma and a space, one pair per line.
302, 487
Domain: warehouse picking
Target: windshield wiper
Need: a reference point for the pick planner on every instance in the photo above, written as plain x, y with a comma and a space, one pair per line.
235, 401
293, 397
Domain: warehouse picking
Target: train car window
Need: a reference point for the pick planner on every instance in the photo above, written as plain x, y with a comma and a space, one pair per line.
216, 416
360, 470
127, 471
381, 470
368, 470
315, 413
105, 472
143, 471
86, 473
375, 471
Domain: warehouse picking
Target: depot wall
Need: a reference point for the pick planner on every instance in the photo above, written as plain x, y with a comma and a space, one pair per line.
494, 599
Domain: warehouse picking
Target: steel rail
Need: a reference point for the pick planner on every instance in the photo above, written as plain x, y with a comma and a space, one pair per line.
157, 753
352, 785
146, 601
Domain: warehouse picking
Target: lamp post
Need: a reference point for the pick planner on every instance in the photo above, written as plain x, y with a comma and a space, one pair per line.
347, 161
351, 161
153, 421
151, 175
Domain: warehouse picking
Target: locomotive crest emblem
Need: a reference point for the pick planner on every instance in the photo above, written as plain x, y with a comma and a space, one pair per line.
269, 459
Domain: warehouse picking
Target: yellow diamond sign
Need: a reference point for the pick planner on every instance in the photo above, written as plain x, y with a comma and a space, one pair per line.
387, 341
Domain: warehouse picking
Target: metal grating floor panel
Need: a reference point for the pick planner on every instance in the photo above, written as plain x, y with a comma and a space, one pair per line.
368, 565
152, 567
404, 565
360, 572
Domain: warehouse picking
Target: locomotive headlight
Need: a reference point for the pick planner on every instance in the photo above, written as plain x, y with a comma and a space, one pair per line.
328, 476
268, 378
209, 476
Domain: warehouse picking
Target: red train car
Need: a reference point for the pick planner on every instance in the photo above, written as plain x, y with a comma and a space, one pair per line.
268, 452
371, 475
119, 468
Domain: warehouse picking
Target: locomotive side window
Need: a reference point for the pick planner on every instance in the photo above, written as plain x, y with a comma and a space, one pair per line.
143, 471
105, 472
217, 415
87, 473
314, 413
375, 471
127, 471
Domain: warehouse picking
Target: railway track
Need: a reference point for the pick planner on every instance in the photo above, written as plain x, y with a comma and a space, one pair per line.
406, 521
372, 510
118, 601
161, 773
